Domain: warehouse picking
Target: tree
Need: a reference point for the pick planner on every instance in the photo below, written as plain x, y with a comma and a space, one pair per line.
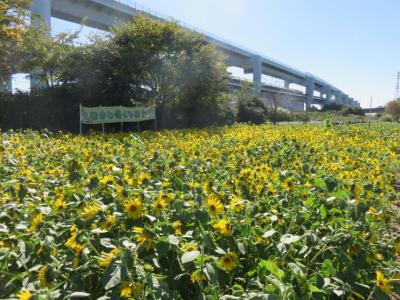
393, 108
276, 102
250, 107
149, 61
13, 26
47, 55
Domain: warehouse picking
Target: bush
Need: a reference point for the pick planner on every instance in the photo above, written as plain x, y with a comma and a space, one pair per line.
358, 111
332, 107
386, 118
282, 115
251, 110
54, 109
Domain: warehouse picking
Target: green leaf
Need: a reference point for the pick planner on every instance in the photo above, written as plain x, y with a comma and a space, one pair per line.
296, 270
290, 239
241, 248
79, 295
238, 289
322, 211
318, 182
211, 274
173, 240
272, 267
112, 277
313, 289
189, 256
327, 268
269, 233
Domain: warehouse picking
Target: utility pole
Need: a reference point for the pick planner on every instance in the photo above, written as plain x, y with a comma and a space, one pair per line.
397, 94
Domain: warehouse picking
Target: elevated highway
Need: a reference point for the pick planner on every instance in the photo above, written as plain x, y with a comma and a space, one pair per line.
102, 14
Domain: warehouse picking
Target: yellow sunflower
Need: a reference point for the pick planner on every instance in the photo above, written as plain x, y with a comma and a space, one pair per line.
36, 221
134, 208
90, 211
383, 283
228, 261
189, 247
107, 258
144, 238
42, 276
223, 227
24, 294
159, 205
109, 222
236, 204
129, 289
214, 205
197, 276
59, 205
177, 225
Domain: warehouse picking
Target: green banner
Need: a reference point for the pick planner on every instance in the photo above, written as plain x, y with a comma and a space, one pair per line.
116, 114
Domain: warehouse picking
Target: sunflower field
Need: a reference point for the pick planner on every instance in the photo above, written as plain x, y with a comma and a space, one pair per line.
240, 212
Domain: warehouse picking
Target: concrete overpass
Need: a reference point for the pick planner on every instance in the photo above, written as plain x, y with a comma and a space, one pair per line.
102, 14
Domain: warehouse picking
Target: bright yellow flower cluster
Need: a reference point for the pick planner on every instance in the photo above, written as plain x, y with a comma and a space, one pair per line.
237, 211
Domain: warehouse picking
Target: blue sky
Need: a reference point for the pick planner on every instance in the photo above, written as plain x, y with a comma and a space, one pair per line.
353, 44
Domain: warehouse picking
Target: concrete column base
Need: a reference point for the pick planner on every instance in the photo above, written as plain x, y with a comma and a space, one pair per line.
42, 9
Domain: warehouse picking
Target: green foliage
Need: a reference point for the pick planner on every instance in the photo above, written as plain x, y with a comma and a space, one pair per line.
393, 108
49, 56
358, 111
386, 118
239, 212
250, 107
13, 28
139, 63
332, 107
54, 109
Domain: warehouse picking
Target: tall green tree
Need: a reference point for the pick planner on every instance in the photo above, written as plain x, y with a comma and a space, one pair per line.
48, 55
13, 27
149, 61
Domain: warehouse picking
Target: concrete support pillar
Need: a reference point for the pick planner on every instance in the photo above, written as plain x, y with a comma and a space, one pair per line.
345, 99
40, 8
286, 84
328, 93
6, 86
257, 72
309, 91
338, 97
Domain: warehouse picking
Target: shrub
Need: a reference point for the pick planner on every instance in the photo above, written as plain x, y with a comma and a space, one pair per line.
252, 112
55, 109
332, 107
353, 111
386, 118
250, 108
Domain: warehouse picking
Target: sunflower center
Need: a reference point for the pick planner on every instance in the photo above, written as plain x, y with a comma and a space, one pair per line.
227, 260
132, 207
212, 207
